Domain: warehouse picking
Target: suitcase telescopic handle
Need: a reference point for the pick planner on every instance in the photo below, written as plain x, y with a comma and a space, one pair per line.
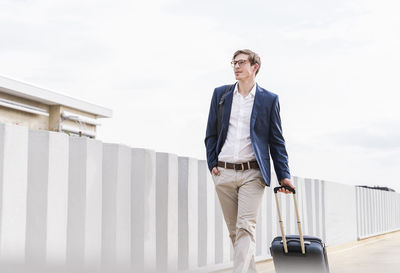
276, 189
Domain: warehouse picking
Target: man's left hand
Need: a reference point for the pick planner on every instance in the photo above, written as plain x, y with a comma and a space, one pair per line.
286, 182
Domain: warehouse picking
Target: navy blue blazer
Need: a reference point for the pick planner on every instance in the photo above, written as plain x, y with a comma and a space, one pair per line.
265, 132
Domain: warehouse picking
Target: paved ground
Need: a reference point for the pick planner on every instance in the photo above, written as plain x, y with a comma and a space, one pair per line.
380, 254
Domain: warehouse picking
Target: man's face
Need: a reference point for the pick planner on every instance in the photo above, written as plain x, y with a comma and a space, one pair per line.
243, 69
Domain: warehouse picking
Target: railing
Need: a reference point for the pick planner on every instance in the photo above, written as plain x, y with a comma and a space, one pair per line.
378, 212
70, 201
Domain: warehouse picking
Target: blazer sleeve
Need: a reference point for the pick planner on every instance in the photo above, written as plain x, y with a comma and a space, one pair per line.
212, 134
277, 143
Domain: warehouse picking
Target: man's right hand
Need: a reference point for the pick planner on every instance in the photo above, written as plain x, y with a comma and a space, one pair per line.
215, 171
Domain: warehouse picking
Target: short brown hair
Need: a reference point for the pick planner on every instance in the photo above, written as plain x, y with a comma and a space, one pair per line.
253, 57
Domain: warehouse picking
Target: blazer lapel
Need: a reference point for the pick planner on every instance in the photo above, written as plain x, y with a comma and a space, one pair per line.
226, 109
256, 107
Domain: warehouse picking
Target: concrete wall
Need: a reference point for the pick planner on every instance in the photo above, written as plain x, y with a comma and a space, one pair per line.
377, 212
340, 213
69, 201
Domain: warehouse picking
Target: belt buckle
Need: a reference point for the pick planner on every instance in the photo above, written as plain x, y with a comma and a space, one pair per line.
242, 167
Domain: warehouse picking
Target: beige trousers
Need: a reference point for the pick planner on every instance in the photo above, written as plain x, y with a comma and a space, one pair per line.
240, 194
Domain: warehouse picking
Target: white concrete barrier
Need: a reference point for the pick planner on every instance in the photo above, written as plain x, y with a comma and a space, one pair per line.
143, 179
206, 216
84, 231
377, 212
117, 196
80, 202
47, 198
340, 213
13, 192
188, 213
166, 213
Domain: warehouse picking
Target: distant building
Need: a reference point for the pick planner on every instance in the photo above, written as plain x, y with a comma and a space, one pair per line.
377, 188
41, 109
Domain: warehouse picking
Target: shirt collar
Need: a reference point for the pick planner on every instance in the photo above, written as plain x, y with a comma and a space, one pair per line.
252, 91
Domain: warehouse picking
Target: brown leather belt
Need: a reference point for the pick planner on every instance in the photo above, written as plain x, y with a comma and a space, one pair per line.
239, 166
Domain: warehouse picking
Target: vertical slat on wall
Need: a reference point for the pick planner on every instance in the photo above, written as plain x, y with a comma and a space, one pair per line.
323, 210
374, 213
387, 211
317, 207
143, 176
36, 220
202, 213
13, 192
309, 206
341, 217
93, 222
219, 232
361, 216
84, 229
57, 199
358, 207
206, 236
76, 202
365, 211
167, 211
311, 202
47, 198
370, 212
380, 228
116, 233
380, 212
109, 219
210, 219
302, 203
188, 208
392, 218
396, 201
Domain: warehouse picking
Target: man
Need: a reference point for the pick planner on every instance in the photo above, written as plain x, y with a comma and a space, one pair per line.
238, 153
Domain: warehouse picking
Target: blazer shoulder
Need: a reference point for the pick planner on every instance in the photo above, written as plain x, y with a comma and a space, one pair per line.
268, 94
221, 89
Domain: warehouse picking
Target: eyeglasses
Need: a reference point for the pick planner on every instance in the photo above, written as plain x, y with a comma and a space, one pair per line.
239, 62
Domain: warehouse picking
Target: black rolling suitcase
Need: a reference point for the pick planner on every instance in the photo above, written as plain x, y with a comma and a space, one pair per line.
297, 253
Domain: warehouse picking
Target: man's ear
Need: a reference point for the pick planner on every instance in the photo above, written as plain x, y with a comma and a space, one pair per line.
256, 66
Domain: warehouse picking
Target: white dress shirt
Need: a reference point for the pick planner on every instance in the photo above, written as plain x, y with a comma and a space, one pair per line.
237, 147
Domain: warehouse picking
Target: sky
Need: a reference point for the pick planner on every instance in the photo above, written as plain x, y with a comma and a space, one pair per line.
334, 65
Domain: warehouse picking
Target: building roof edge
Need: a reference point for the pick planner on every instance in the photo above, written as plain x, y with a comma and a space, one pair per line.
29, 91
